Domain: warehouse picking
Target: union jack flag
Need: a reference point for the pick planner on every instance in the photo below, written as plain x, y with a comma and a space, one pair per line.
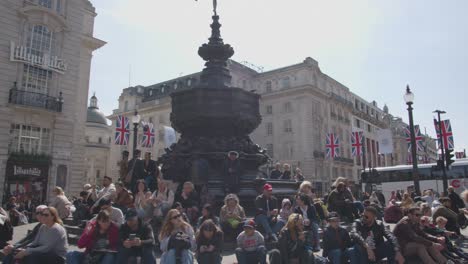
445, 133
332, 146
418, 137
357, 141
148, 135
460, 155
122, 130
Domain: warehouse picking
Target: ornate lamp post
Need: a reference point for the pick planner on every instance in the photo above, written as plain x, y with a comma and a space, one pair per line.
409, 98
136, 121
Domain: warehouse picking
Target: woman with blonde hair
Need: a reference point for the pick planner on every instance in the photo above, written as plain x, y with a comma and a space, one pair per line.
231, 216
177, 239
60, 202
292, 243
50, 244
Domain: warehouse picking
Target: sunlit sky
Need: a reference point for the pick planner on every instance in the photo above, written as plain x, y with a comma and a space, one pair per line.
373, 47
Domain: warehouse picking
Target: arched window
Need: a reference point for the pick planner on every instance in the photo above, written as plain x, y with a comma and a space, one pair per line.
40, 40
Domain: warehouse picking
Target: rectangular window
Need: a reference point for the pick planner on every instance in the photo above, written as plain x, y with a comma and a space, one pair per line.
29, 139
58, 6
269, 149
288, 126
46, 3
286, 83
269, 129
287, 107
268, 86
269, 109
369, 128
36, 79
358, 123
244, 84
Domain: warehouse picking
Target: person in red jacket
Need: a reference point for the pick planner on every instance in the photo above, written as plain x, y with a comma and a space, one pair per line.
100, 239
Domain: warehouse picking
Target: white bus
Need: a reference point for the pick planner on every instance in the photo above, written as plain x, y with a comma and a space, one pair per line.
388, 179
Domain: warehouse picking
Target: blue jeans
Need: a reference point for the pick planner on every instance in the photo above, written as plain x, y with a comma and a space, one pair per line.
76, 257
336, 255
169, 257
384, 250
266, 223
278, 226
315, 236
246, 257
146, 253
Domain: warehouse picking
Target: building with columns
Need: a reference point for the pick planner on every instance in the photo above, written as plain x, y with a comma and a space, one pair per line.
98, 141
46, 48
299, 105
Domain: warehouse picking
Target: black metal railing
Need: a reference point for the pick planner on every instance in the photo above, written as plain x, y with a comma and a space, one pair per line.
39, 100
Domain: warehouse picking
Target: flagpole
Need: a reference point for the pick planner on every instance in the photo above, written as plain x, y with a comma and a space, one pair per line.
442, 150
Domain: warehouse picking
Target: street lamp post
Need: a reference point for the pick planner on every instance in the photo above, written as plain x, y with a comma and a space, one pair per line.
409, 98
136, 122
442, 151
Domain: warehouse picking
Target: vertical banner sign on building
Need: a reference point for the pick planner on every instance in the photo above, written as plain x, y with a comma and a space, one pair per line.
357, 139
444, 132
332, 146
169, 136
148, 135
122, 130
385, 139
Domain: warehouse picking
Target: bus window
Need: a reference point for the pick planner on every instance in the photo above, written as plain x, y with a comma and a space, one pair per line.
456, 172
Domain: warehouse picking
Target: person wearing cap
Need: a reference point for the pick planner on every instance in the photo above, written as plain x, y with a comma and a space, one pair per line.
276, 173
267, 210
250, 245
116, 214
8, 249
232, 172
137, 240
369, 233
107, 192
337, 244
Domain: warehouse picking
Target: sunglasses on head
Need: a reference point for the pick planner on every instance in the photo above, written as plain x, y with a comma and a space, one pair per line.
176, 216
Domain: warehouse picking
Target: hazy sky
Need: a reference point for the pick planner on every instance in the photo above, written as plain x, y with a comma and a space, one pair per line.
373, 47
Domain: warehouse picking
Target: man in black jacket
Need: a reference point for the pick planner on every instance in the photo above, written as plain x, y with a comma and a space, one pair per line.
337, 244
137, 240
151, 172
369, 233
136, 171
267, 210
276, 173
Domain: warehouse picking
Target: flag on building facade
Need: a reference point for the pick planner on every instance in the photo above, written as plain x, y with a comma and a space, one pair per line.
122, 130
148, 135
357, 141
332, 146
169, 136
417, 136
385, 139
460, 155
445, 133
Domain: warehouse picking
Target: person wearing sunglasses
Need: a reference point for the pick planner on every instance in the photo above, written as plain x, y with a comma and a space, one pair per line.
177, 239
50, 244
137, 240
209, 243
8, 249
415, 242
369, 234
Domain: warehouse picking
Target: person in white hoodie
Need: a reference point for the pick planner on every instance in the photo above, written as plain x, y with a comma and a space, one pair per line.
285, 212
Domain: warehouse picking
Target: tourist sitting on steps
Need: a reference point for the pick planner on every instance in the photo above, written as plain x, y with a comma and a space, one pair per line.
267, 210
190, 201
250, 245
116, 214
209, 243
207, 214
311, 221
177, 239
337, 244
48, 247
100, 239
137, 240
232, 215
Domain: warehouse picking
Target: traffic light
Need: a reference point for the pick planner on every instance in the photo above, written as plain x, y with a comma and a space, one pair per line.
449, 158
439, 166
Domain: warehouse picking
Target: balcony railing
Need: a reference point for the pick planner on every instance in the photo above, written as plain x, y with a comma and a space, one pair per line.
39, 100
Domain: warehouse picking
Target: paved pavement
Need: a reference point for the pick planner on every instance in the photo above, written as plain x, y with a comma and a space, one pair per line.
229, 256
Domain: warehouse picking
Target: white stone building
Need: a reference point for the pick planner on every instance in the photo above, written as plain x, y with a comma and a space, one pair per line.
45, 55
299, 104
98, 142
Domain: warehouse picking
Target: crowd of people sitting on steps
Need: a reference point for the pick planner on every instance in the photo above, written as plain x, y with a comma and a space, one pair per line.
138, 220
